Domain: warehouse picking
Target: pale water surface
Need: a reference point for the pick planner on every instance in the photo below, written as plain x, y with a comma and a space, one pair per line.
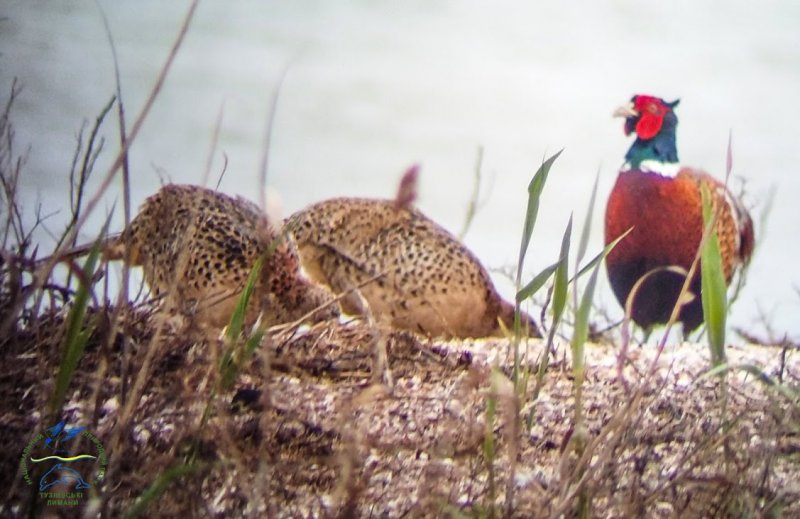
373, 87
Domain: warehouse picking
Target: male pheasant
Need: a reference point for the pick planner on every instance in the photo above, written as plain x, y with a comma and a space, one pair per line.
661, 201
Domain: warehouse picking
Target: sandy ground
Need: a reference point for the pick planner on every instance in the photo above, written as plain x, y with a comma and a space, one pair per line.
309, 428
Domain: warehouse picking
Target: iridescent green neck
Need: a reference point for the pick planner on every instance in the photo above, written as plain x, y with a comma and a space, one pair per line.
659, 149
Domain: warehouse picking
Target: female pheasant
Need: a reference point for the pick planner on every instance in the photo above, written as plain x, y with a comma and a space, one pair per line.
410, 273
661, 201
197, 247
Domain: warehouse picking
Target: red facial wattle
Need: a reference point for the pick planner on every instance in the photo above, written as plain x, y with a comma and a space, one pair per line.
651, 112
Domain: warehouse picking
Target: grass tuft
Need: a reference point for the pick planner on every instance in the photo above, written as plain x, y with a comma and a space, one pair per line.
77, 333
713, 286
237, 348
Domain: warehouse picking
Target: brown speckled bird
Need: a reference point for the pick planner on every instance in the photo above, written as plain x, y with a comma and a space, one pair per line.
430, 283
197, 247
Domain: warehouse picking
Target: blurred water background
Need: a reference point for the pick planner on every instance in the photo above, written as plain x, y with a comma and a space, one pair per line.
372, 87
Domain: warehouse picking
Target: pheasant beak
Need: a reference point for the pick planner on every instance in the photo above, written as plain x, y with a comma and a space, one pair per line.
626, 111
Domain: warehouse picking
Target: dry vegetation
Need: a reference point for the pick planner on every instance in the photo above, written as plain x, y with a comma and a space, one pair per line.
349, 420
305, 431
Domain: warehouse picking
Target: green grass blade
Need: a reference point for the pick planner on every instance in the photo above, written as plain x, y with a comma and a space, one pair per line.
559, 302
597, 259
252, 343
586, 232
713, 286
76, 336
230, 363
535, 189
237, 319
536, 283
562, 276
580, 333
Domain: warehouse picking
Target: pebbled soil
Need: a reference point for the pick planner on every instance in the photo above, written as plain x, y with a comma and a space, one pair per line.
345, 420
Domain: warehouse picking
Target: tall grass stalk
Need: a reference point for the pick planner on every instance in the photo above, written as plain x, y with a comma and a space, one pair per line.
714, 287
123, 296
10, 169
519, 379
559, 294
212, 149
559, 291
43, 272
580, 335
535, 188
264, 166
125, 163
560, 283
238, 348
712, 279
472, 205
77, 334
586, 232
81, 169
